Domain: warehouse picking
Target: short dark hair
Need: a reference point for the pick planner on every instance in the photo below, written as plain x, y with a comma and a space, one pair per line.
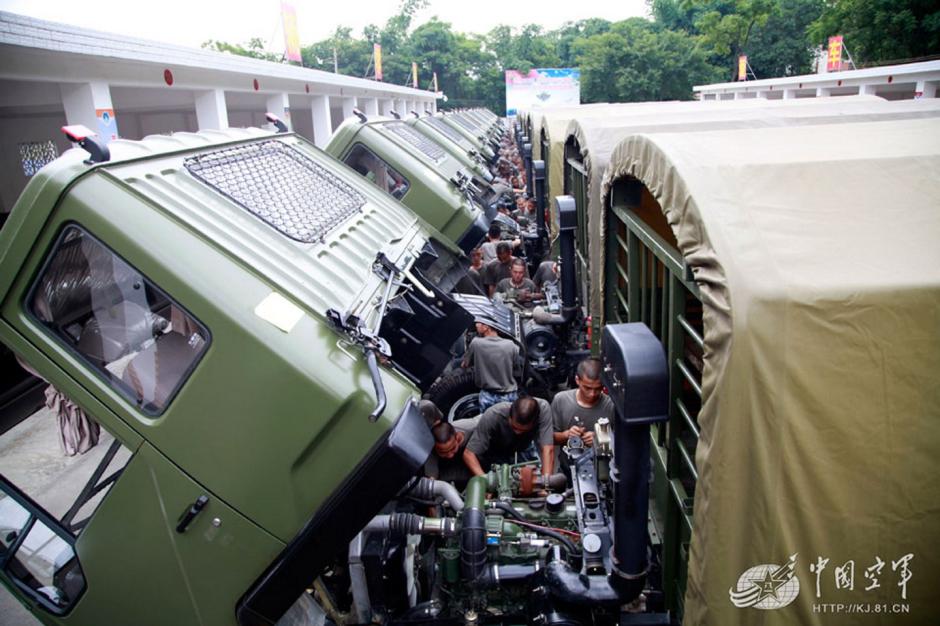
495, 230
517, 261
524, 411
590, 368
443, 432
503, 246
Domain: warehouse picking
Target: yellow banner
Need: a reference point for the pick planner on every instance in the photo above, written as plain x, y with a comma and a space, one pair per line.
742, 67
291, 38
414, 75
377, 54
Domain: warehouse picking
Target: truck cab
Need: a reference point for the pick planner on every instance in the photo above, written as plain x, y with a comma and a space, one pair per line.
220, 308
419, 172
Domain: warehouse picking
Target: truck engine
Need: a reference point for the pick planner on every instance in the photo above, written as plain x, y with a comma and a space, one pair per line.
514, 547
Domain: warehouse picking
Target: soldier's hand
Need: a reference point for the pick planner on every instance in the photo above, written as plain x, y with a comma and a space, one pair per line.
588, 437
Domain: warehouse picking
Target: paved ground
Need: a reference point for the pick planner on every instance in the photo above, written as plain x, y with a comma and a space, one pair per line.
31, 458
12, 612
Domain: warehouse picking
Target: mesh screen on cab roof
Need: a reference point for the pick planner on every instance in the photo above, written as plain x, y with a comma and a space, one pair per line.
445, 129
465, 123
280, 185
419, 141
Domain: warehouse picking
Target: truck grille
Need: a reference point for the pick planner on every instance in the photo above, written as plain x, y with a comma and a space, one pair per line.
281, 186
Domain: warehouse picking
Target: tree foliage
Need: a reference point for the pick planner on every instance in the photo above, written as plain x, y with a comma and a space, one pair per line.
683, 43
638, 61
253, 48
881, 30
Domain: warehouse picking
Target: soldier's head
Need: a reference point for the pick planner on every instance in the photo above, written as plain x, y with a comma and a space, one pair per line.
518, 270
447, 440
523, 415
588, 380
503, 252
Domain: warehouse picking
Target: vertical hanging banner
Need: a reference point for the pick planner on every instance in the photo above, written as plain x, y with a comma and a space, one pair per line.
542, 88
414, 74
377, 56
834, 63
434, 81
742, 67
291, 38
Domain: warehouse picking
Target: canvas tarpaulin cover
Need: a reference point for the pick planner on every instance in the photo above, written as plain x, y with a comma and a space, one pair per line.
815, 249
553, 124
596, 137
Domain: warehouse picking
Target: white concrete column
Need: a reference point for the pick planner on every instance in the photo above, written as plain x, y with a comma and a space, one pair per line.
371, 107
279, 104
348, 105
401, 107
739, 95
211, 112
822, 92
926, 89
434, 105
89, 104
789, 94
868, 89
385, 106
322, 122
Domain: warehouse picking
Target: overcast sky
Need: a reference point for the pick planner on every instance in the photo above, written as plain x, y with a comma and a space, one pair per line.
191, 22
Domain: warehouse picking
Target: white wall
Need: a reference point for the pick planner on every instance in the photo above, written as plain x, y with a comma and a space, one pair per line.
17, 129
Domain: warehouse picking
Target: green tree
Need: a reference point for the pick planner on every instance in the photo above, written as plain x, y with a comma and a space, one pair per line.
254, 48
529, 48
881, 30
352, 55
572, 31
638, 61
726, 28
782, 47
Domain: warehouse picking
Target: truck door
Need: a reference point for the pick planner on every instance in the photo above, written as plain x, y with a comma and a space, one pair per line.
144, 555
116, 533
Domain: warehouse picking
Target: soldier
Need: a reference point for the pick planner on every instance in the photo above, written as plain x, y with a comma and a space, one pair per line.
507, 429
495, 363
575, 411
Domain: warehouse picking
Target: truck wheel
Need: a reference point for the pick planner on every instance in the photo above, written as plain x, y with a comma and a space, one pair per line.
455, 391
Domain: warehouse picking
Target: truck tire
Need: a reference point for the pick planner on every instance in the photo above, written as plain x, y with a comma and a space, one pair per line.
448, 389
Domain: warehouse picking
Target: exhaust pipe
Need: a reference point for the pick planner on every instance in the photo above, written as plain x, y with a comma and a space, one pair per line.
636, 376
568, 220
538, 183
527, 162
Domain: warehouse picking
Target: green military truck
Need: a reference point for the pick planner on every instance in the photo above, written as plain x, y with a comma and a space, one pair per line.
435, 126
418, 171
451, 141
250, 325
222, 305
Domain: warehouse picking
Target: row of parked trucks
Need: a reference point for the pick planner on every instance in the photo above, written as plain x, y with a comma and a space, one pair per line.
252, 321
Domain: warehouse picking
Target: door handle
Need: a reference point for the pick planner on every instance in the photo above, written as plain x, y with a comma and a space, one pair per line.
190, 513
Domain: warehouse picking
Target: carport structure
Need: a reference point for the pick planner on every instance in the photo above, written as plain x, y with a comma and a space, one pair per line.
792, 273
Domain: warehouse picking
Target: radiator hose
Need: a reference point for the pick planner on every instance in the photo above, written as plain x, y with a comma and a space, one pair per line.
473, 530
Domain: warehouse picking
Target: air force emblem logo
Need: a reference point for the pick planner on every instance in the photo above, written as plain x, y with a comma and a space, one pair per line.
767, 586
